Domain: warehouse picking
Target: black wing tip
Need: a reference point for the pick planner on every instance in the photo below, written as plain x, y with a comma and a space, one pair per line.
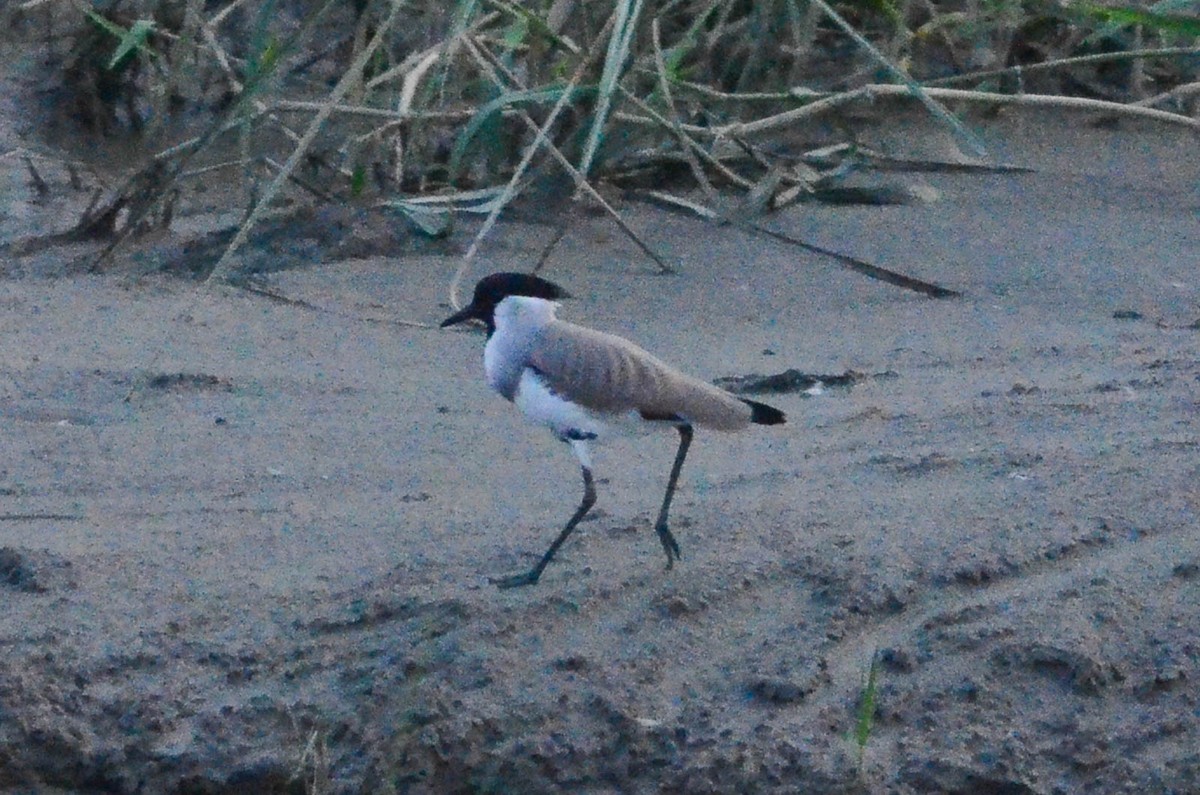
762, 414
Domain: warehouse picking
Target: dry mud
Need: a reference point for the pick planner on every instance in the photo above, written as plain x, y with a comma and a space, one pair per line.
244, 544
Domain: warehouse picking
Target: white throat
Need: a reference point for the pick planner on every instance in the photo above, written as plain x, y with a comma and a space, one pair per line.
518, 314
518, 320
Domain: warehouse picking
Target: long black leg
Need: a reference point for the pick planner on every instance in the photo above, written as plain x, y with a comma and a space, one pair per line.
530, 577
670, 545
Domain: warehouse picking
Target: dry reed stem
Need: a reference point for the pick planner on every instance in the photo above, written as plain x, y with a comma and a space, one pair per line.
394, 116
219, 17
510, 188
490, 64
260, 107
731, 96
1178, 92
870, 92
408, 93
1051, 100
713, 161
414, 61
664, 86
774, 122
347, 82
1059, 63
626, 14
929, 101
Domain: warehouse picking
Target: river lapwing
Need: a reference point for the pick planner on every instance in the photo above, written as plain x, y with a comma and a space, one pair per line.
587, 386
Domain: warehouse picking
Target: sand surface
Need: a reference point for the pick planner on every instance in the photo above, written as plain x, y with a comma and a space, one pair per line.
245, 545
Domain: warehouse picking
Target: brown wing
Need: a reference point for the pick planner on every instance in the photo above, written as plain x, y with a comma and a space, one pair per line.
607, 373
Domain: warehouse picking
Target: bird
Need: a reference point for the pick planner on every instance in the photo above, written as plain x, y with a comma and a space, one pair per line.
587, 386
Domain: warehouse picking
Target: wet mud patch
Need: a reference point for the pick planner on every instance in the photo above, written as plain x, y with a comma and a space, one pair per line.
188, 382
1080, 671
34, 571
793, 380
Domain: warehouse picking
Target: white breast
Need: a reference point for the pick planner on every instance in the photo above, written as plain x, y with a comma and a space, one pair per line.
518, 320
521, 323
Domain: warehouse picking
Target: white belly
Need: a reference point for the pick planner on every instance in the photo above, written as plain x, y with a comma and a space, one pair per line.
567, 420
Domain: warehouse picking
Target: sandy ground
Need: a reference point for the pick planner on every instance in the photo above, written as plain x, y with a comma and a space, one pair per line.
271, 574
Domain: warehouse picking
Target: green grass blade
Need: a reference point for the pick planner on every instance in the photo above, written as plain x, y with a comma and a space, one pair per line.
614, 66
134, 39
264, 48
673, 56
1174, 24
435, 222
866, 709
127, 40
489, 113
464, 12
536, 25
972, 141
104, 24
358, 180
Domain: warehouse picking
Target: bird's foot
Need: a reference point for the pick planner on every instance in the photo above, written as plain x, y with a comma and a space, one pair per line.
670, 545
516, 580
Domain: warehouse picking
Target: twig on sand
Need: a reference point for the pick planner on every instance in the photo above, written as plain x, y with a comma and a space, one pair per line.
863, 267
279, 298
853, 263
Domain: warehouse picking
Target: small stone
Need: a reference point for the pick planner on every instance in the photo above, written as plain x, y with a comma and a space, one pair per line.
777, 691
899, 660
1186, 570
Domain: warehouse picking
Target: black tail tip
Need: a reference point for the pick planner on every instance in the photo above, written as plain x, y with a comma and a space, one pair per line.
762, 414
